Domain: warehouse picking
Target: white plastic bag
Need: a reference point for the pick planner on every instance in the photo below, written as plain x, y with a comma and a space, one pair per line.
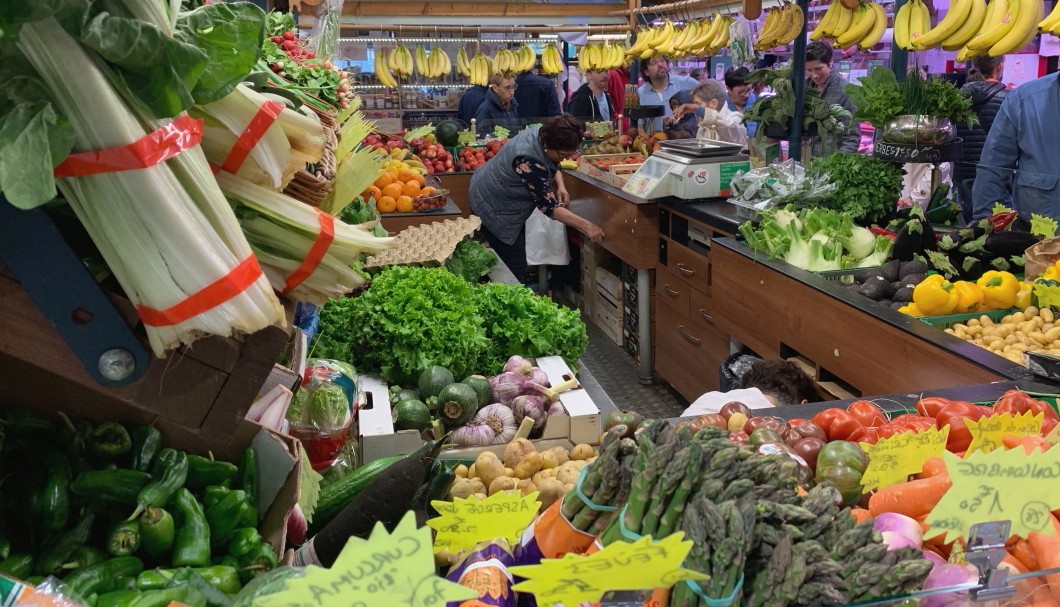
546, 241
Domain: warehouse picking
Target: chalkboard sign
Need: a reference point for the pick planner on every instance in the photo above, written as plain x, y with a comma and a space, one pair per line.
918, 154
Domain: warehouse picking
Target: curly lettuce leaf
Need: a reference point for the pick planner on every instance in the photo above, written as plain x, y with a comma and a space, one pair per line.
471, 261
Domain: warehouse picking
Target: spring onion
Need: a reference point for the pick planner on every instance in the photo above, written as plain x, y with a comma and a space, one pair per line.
165, 231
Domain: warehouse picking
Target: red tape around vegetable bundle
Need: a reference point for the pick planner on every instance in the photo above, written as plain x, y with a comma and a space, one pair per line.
262, 120
209, 297
154, 148
316, 253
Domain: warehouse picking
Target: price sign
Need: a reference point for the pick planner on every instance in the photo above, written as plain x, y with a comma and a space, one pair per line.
987, 432
464, 522
576, 578
995, 486
385, 569
893, 459
1054, 436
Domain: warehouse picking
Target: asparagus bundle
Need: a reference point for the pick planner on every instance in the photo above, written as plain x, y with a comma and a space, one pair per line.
606, 483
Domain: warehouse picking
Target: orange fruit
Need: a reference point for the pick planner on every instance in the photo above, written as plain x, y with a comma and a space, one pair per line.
405, 175
404, 204
394, 190
384, 180
386, 204
373, 193
428, 191
419, 178
411, 188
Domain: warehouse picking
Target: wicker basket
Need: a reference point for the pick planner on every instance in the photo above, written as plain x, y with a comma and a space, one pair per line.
313, 187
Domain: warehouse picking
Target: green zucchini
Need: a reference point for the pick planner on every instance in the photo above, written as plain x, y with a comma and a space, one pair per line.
335, 496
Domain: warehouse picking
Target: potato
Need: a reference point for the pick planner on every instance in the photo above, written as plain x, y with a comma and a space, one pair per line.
549, 490
466, 487
489, 467
461, 471
516, 450
509, 472
480, 496
1018, 317
443, 558
555, 457
529, 466
568, 475
974, 322
567, 488
544, 474
526, 486
472, 472
503, 483
1046, 314
582, 452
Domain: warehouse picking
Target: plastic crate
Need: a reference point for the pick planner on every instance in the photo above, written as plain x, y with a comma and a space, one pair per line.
948, 320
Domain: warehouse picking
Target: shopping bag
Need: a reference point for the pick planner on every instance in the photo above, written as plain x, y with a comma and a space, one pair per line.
546, 241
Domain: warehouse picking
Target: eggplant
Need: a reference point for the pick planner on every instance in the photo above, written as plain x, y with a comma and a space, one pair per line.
972, 268
943, 264
1000, 264
909, 241
974, 247
950, 242
1008, 243
928, 240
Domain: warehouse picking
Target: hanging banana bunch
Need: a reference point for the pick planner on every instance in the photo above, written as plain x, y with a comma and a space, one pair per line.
463, 64
480, 68
400, 61
551, 60
782, 25
382, 70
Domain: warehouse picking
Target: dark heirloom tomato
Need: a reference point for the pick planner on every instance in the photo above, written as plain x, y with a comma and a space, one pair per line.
842, 463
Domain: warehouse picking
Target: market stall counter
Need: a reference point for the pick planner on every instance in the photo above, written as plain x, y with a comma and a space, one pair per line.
396, 222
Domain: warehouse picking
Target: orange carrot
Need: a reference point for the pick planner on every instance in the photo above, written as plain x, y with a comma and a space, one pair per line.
913, 499
934, 466
1029, 443
1022, 552
1014, 564
860, 514
1047, 549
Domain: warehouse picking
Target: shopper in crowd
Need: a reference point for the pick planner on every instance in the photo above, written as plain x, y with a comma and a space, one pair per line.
768, 383
469, 102
535, 97
987, 91
659, 85
719, 121
617, 79
592, 102
499, 108
829, 84
698, 74
522, 177
686, 125
1021, 147
741, 94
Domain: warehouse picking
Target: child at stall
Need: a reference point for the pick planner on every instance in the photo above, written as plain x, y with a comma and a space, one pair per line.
718, 122
768, 383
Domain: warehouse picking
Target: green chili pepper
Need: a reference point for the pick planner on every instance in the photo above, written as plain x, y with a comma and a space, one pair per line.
146, 441
116, 598
17, 565
203, 472
91, 599
248, 476
169, 472
243, 541
224, 517
124, 539
162, 598
57, 551
260, 559
55, 495
227, 561
191, 546
225, 579
85, 556
112, 485
103, 577
157, 531
109, 440
211, 496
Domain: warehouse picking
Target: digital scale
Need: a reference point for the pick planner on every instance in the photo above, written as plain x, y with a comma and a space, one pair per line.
689, 169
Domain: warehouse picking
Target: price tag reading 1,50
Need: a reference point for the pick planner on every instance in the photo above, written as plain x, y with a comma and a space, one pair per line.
999, 485
893, 459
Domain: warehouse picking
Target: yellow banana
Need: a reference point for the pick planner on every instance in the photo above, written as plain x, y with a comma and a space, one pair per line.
901, 26
826, 22
1005, 16
845, 19
966, 54
664, 36
1050, 22
382, 73
798, 22
1023, 30
923, 24
406, 61
768, 26
422, 67
971, 25
954, 19
393, 59
879, 26
864, 19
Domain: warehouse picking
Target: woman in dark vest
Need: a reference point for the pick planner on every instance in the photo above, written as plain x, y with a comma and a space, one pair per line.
522, 177
987, 93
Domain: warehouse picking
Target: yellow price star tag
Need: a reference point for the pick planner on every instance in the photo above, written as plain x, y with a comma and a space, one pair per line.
386, 569
576, 578
996, 486
464, 522
987, 432
893, 459
1054, 435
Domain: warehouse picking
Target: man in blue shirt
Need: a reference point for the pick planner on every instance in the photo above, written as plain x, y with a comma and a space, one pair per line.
657, 89
1021, 148
741, 94
536, 97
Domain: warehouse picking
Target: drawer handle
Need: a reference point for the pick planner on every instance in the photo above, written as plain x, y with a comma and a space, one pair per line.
671, 291
706, 317
694, 340
685, 270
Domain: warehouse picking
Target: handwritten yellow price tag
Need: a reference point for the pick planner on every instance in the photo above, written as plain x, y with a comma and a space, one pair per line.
893, 459
988, 431
997, 486
463, 523
576, 578
1054, 435
386, 569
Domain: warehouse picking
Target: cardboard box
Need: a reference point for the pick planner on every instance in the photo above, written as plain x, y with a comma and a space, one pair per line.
377, 438
608, 316
290, 374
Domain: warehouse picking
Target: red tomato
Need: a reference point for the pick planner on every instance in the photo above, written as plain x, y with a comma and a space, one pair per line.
864, 434
796, 421
953, 415
867, 413
837, 423
1044, 408
930, 406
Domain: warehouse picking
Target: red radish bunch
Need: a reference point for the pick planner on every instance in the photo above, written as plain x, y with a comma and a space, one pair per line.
296, 50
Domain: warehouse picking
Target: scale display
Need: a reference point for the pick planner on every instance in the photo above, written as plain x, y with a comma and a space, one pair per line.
648, 177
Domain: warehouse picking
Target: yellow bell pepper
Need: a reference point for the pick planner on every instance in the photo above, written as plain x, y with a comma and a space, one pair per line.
1000, 290
911, 310
1026, 293
935, 296
969, 296
1051, 273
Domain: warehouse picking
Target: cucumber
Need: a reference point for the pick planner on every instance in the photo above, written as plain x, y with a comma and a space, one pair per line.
457, 404
482, 389
411, 414
335, 496
433, 380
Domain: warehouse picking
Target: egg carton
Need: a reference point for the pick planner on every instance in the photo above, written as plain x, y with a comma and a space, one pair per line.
430, 243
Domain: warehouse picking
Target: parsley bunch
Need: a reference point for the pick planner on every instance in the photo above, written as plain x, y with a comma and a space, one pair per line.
867, 188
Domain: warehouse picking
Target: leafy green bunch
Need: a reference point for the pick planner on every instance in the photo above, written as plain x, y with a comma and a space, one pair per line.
880, 98
867, 188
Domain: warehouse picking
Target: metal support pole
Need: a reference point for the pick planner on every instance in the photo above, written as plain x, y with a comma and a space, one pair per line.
798, 84
644, 324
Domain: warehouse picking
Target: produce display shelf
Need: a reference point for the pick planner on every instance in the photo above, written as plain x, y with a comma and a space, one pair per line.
948, 320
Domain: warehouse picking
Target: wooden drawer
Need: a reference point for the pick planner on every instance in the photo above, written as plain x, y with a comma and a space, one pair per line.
688, 356
672, 290
701, 311
689, 266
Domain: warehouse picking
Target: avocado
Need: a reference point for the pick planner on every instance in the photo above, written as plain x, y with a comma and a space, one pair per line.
890, 270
